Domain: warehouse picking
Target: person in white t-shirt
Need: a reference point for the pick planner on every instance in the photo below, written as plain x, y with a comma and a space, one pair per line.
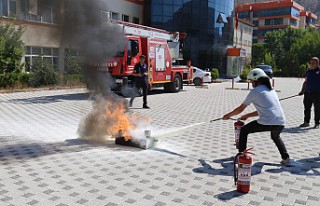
268, 108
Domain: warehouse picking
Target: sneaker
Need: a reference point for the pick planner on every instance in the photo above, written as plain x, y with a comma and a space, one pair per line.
286, 162
305, 124
316, 126
146, 107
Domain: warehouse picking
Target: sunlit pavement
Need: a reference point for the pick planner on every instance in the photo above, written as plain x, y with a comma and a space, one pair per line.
43, 163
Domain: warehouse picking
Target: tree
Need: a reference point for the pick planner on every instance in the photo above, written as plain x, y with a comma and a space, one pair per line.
258, 54
289, 48
11, 48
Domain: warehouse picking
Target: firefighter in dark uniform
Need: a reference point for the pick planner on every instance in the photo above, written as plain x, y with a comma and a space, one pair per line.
311, 92
140, 74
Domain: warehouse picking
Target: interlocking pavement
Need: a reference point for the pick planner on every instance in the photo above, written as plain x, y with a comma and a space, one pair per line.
43, 163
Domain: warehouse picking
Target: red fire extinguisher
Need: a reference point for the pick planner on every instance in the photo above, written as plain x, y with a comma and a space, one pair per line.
242, 171
237, 128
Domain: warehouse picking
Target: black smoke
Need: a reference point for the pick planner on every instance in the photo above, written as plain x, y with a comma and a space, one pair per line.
85, 27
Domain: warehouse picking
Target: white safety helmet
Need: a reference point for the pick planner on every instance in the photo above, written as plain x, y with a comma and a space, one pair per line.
255, 74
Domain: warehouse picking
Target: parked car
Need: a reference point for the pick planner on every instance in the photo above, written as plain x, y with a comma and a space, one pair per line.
267, 69
199, 75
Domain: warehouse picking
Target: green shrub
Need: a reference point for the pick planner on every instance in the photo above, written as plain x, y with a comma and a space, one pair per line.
73, 79
73, 65
14, 80
245, 72
24, 79
215, 73
43, 74
302, 70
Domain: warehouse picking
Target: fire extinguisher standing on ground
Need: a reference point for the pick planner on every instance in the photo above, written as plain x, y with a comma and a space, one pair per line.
237, 128
242, 171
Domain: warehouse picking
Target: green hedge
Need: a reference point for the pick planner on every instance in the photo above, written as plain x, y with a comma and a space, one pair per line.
14, 80
73, 79
215, 73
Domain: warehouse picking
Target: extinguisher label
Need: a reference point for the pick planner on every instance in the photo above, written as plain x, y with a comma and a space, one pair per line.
237, 133
244, 173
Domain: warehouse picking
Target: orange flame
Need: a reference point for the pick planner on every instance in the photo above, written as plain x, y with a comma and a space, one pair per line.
122, 123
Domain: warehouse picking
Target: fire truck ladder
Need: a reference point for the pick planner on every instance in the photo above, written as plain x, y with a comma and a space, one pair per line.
144, 31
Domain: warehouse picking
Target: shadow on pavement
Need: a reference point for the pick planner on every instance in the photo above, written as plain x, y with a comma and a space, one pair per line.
52, 99
307, 167
227, 167
229, 195
168, 152
23, 151
295, 130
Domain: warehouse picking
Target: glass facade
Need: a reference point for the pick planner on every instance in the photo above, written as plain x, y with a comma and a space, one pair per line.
270, 22
311, 20
208, 24
295, 12
272, 12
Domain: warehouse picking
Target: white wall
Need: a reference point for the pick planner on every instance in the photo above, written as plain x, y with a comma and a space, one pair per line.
243, 39
127, 8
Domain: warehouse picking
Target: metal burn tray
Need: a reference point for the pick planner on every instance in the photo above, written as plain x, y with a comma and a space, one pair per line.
129, 143
146, 143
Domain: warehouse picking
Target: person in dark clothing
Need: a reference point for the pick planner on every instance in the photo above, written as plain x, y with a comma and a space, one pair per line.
311, 92
140, 74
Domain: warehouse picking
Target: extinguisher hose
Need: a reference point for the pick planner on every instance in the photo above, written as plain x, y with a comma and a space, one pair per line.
235, 171
288, 97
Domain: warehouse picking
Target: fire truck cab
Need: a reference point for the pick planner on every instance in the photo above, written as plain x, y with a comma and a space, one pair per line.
162, 50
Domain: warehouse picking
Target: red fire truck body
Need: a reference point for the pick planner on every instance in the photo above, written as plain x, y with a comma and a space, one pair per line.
161, 49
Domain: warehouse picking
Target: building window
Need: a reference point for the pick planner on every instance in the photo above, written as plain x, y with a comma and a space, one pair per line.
310, 20
255, 23
48, 13
125, 18
135, 20
272, 12
293, 22
8, 8
48, 55
243, 15
271, 22
114, 16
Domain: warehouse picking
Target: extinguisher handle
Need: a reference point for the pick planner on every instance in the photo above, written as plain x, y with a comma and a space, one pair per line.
247, 150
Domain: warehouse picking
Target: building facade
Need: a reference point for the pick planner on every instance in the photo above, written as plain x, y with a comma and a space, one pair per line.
274, 15
126, 10
208, 24
240, 54
41, 21
243, 38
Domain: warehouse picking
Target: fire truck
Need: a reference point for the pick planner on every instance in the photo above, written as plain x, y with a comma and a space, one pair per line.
162, 51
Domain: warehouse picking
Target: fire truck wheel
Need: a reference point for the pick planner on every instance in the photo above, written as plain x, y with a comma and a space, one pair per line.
197, 81
174, 86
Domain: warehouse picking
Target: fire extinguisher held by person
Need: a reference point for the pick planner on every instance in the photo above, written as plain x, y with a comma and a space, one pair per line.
271, 116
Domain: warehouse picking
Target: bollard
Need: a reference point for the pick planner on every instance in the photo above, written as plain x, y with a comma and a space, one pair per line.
248, 85
232, 83
273, 83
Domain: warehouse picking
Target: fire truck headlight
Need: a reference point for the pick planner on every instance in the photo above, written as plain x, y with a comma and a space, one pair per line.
115, 64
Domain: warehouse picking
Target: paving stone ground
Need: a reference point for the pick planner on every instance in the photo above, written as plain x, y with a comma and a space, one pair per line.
43, 163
